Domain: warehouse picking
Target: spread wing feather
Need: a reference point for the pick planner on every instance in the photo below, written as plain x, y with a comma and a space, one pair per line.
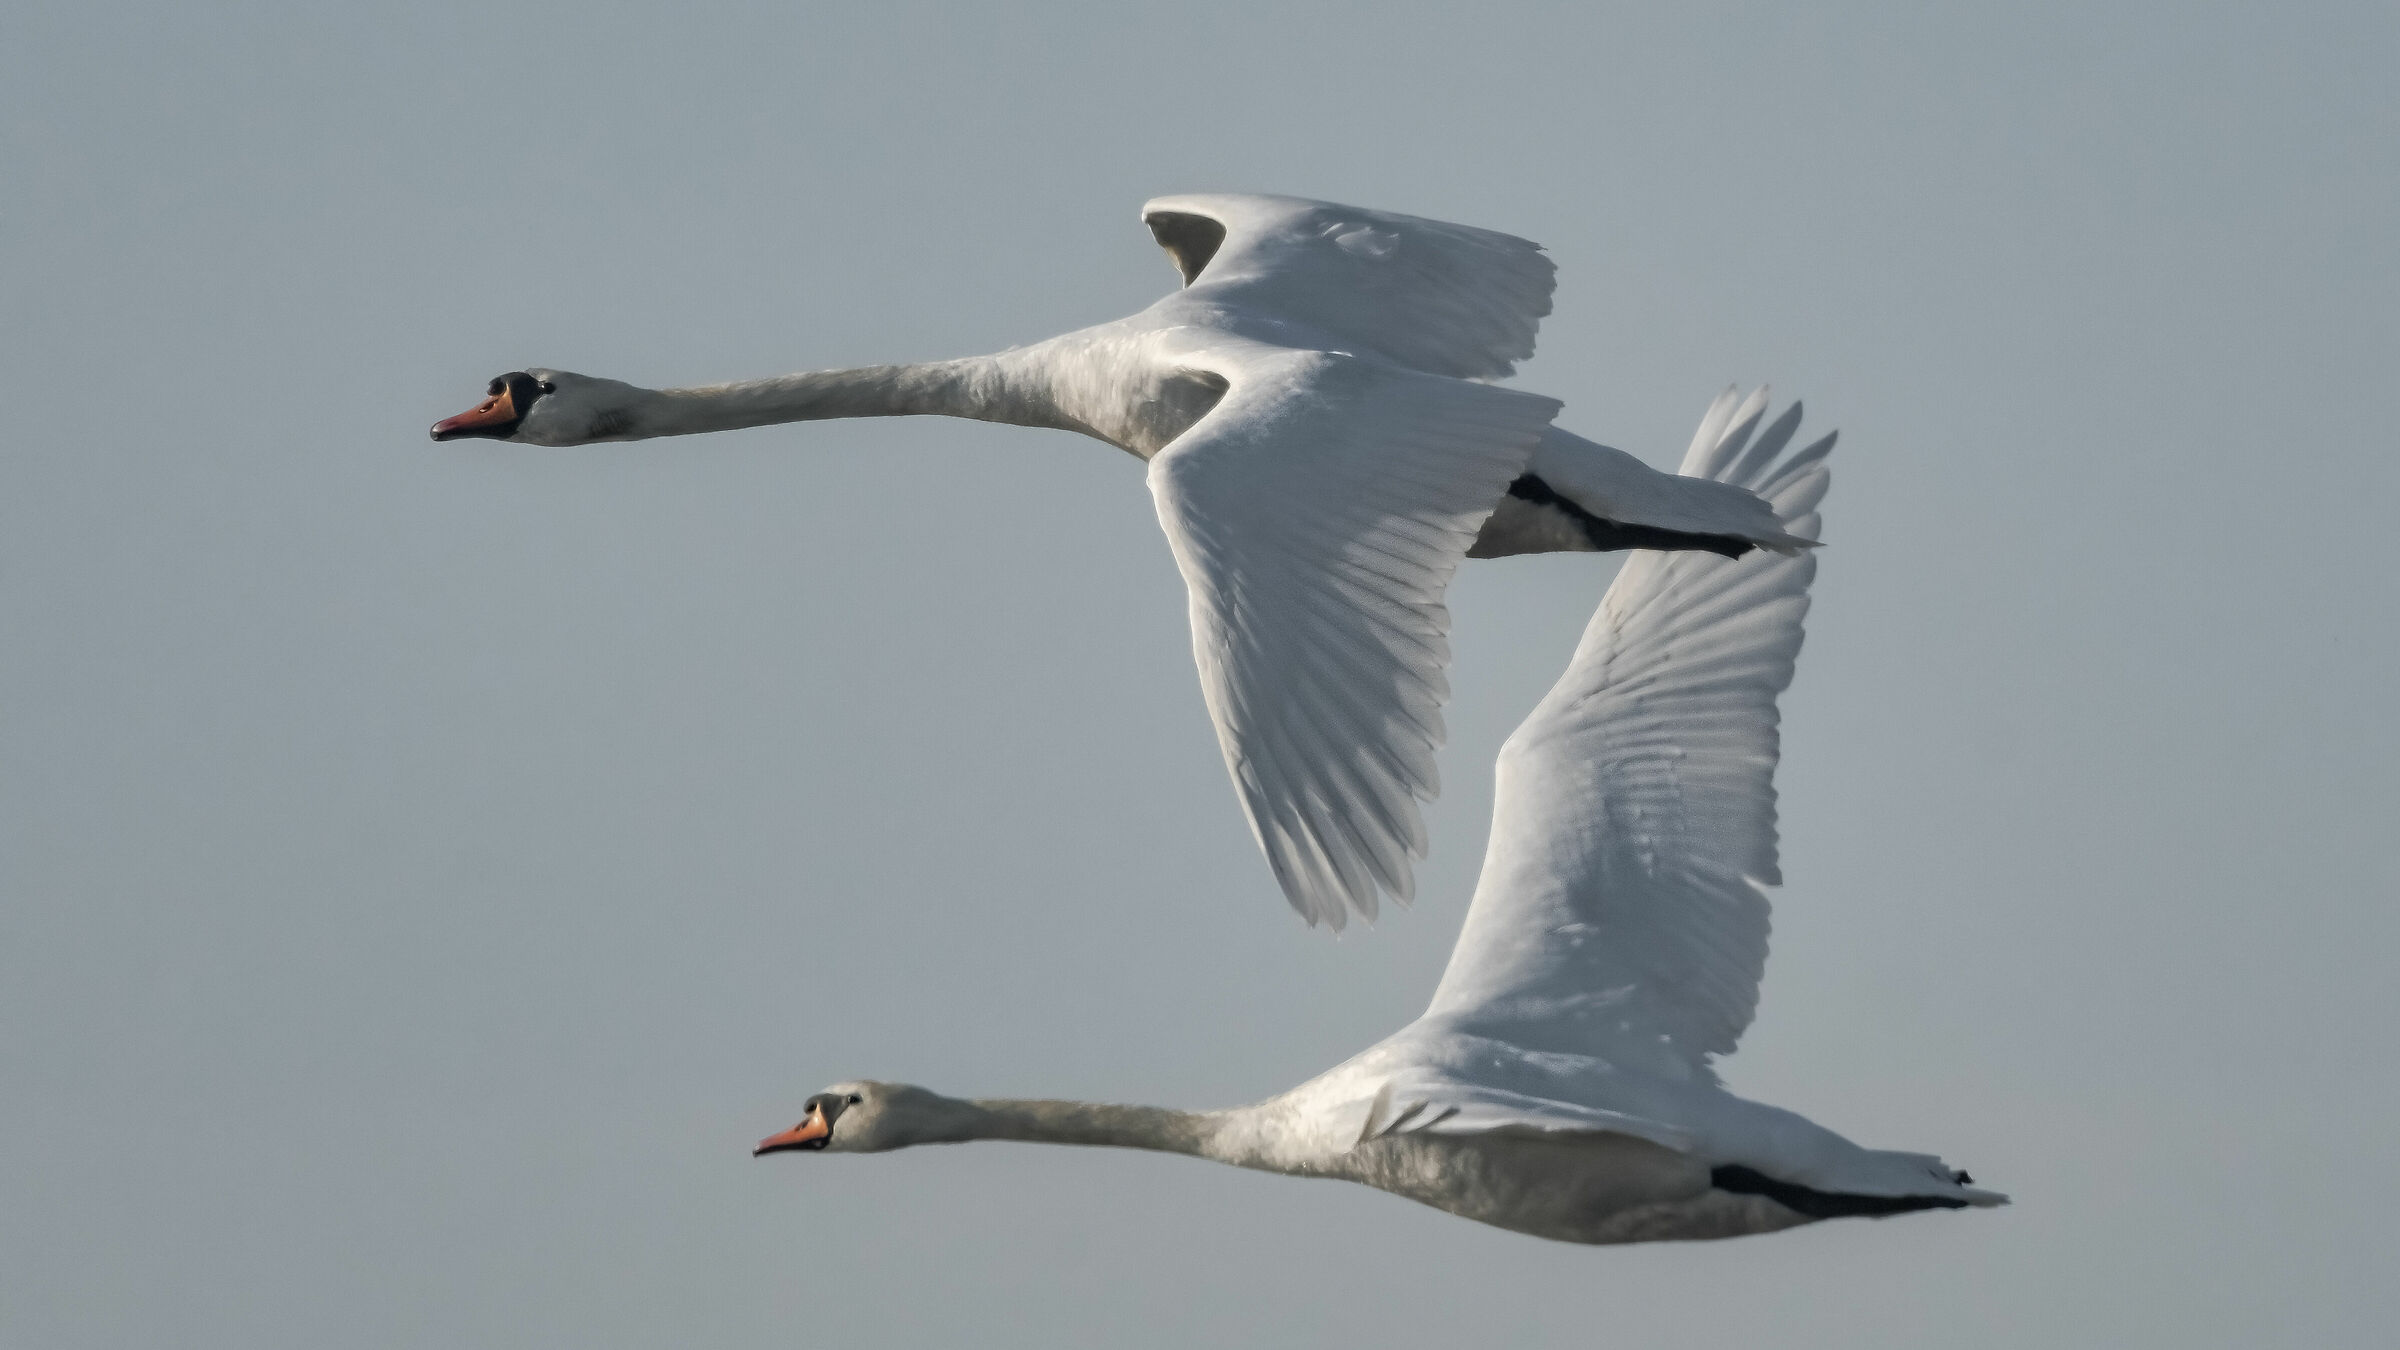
1633, 829
1317, 514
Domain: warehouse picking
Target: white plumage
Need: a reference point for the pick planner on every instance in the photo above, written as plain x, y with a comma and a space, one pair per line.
1560, 1083
1317, 515
1323, 452
1633, 824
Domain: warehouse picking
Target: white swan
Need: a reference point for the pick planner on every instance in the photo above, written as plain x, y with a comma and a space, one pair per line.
1559, 1085
1322, 454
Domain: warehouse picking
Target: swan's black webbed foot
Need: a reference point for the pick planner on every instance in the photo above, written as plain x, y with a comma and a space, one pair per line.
1608, 536
1818, 1204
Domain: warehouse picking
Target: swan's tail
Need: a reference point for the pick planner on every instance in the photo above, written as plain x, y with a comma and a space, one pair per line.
1577, 495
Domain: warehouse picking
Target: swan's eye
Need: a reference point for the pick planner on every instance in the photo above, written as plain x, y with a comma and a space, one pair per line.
547, 387
854, 1099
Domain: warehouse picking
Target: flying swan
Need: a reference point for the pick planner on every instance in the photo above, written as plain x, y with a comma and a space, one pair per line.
1560, 1084
1322, 450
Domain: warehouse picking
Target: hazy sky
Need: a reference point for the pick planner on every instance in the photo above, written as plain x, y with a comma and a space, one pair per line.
427, 869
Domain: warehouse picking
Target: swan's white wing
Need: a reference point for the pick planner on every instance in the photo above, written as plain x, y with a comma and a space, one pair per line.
1317, 513
1633, 826
1449, 299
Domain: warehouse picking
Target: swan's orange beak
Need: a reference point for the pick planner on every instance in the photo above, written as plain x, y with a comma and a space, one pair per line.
498, 410
808, 1134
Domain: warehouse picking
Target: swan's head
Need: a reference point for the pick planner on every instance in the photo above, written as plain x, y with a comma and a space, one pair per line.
871, 1118
548, 407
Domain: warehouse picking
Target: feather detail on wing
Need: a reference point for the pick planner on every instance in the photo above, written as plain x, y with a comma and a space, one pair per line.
1633, 827
1317, 513
1446, 299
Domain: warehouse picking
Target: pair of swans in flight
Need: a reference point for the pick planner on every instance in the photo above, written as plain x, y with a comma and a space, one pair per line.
1323, 449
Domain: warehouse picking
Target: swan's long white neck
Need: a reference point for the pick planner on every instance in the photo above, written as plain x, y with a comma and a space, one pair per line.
986, 388
1157, 1128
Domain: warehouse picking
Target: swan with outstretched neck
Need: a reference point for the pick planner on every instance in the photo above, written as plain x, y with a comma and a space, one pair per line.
1323, 448
1560, 1084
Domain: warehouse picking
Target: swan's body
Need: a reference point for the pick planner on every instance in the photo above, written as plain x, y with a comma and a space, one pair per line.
1322, 449
1560, 1083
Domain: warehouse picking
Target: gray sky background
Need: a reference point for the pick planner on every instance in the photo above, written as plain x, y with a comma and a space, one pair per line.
428, 869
